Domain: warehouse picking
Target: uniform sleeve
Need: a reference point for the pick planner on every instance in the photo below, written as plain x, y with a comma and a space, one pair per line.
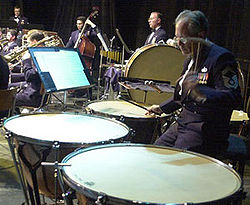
30, 72
170, 105
70, 43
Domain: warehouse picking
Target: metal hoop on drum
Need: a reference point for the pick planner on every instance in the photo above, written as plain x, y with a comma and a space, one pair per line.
180, 176
157, 62
70, 131
146, 127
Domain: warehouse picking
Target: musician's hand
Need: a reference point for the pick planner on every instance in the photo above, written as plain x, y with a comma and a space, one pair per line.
191, 89
11, 67
190, 81
154, 109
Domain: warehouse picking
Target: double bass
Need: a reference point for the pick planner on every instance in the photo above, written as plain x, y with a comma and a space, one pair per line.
85, 46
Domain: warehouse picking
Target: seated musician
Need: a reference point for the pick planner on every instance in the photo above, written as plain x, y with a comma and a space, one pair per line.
11, 45
29, 94
208, 90
158, 34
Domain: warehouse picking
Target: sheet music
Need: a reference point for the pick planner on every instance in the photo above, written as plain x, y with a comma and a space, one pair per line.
64, 67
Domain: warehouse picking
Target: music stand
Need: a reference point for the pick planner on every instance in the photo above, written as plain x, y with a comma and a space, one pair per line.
61, 69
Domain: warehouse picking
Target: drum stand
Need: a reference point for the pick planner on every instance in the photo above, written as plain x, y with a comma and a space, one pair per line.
9, 138
111, 92
58, 175
34, 195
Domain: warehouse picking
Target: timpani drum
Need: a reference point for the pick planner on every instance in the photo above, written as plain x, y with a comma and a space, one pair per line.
146, 127
36, 134
156, 62
146, 174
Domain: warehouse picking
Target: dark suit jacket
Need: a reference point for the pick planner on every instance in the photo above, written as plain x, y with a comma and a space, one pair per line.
30, 95
159, 34
4, 79
72, 39
22, 20
9, 47
4, 74
90, 33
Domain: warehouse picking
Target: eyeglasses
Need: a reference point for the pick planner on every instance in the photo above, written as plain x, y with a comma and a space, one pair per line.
79, 23
181, 39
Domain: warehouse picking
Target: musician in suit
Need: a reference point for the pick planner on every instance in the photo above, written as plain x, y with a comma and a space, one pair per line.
11, 37
91, 35
89, 32
19, 18
158, 34
207, 91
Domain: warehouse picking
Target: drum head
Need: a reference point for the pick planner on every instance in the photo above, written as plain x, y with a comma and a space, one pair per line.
65, 128
157, 62
149, 174
118, 108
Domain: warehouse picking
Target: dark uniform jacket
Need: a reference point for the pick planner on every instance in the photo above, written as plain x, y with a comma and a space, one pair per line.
22, 20
8, 48
209, 116
4, 74
159, 35
30, 94
90, 33
4, 79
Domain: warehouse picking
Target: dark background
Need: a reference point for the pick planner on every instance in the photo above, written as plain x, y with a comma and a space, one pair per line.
228, 19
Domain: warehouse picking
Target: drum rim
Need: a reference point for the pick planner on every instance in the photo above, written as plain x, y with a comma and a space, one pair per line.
153, 118
93, 193
65, 144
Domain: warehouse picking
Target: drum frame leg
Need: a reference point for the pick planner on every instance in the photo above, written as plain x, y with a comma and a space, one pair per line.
33, 169
58, 175
9, 139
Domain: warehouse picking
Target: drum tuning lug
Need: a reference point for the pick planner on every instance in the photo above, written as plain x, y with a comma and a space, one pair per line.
111, 141
122, 118
132, 132
56, 145
101, 199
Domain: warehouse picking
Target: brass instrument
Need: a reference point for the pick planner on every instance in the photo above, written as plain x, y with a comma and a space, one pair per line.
46, 34
15, 54
3, 42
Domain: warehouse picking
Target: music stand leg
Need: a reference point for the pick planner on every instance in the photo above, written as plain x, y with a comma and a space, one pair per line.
99, 77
